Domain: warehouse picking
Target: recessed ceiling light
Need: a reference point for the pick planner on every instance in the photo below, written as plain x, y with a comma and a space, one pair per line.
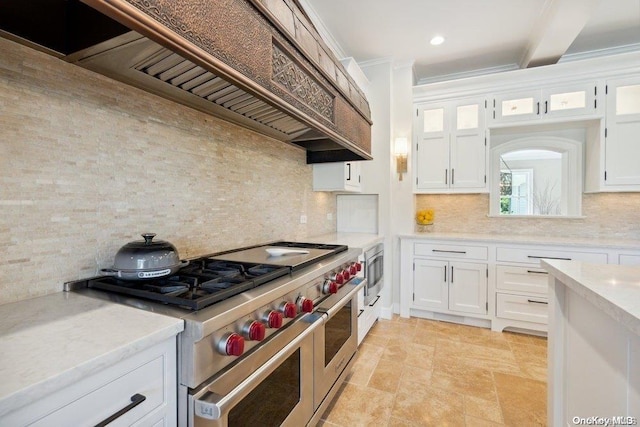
437, 40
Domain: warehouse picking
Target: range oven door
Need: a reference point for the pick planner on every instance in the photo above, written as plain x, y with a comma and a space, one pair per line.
336, 342
267, 388
374, 272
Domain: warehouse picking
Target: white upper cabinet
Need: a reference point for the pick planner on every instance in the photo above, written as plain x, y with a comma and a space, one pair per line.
544, 104
622, 143
337, 177
450, 149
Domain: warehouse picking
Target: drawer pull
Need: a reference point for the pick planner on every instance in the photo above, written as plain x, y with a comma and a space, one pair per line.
375, 301
537, 302
449, 252
361, 311
548, 257
136, 399
537, 272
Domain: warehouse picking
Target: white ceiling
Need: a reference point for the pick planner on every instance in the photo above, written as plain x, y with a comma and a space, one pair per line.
481, 36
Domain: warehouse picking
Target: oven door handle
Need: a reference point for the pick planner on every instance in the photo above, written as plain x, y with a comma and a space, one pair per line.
343, 301
215, 405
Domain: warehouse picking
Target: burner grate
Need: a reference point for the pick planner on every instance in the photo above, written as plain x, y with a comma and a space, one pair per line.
202, 283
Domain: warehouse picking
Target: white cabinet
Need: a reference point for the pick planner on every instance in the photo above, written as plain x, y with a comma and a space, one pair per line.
622, 150
544, 104
144, 384
337, 177
487, 283
450, 286
367, 314
450, 147
522, 286
445, 278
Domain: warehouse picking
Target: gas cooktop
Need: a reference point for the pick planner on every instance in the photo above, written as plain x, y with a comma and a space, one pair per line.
213, 278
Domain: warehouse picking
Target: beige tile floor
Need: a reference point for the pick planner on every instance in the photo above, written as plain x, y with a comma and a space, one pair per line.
418, 372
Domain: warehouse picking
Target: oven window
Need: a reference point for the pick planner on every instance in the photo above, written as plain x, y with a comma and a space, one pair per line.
273, 399
337, 332
374, 271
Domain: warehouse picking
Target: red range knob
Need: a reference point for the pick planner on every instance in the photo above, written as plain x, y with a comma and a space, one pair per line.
358, 266
274, 319
289, 310
353, 270
329, 287
305, 304
254, 331
232, 345
346, 275
339, 279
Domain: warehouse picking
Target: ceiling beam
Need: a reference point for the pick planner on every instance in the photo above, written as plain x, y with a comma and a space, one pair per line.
556, 28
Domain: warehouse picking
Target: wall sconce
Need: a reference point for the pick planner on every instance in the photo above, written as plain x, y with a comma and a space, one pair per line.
401, 150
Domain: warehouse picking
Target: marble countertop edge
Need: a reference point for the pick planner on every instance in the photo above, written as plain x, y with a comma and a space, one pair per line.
614, 289
580, 242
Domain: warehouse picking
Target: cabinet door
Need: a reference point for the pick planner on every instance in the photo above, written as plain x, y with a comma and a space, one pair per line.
573, 100
352, 175
432, 147
430, 284
622, 149
468, 287
515, 107
468, 145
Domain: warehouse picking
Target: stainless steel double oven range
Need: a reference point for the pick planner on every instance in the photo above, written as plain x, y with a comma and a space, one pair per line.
268, 340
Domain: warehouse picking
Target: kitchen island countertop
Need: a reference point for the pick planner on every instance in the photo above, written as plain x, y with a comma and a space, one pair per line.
614, 289
53, 341
593, 342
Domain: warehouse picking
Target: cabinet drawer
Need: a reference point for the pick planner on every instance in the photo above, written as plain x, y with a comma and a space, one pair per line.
147, 380
522, 279
450, 251
533, 256
525, 308
627, 259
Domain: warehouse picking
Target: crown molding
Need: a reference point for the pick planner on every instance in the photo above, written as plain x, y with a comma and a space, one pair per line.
579, 56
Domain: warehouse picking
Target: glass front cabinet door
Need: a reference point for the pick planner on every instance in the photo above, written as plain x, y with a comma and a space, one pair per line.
545, 104
450, 149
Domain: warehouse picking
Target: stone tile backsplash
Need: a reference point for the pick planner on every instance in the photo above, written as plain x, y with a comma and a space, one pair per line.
606, 215
87, 164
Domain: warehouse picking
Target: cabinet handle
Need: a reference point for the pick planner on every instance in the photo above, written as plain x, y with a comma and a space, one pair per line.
449, 252
537, 272
548, 257
538, 113
348, 171
361, 311
445, 274
136, 399
452, 175
446, 176
537, 302
546, 106
452, 274
374, 301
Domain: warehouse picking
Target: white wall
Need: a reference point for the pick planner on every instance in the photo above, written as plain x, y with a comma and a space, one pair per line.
389, 95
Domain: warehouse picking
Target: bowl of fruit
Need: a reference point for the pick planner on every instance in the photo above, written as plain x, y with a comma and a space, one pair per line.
424, 220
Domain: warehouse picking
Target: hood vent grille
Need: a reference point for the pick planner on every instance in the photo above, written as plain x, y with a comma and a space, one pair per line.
173, 69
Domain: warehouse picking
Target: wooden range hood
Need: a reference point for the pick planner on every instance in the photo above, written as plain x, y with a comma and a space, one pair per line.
258, 63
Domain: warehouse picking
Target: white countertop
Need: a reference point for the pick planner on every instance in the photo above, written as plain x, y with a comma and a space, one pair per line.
615, 289
353, 240
50, 342
529, 239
